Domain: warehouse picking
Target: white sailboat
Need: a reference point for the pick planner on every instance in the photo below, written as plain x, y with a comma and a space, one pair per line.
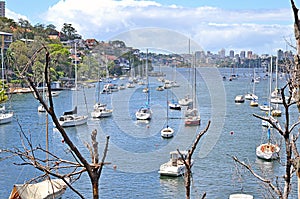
174, 104
100, 110
276, 112
5, 116
175, 166
252, 96
167, 132
192, 114
145, 112
268, 151
70, 118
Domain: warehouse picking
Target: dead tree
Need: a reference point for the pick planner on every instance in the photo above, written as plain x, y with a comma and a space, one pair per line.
188, 164
80, 165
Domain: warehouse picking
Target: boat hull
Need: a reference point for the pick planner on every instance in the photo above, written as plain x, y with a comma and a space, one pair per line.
192, 121
6, 117
268, 151
101, 114
167, 132
73, 121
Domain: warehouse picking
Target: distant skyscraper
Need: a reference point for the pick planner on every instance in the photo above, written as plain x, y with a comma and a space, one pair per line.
231, 54
242, 54
249, 54
222, 53
2, 8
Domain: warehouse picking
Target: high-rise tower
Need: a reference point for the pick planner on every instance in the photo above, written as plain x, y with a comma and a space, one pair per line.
2, 8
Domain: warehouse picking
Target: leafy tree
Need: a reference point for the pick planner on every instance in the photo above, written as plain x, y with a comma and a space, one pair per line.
69, 32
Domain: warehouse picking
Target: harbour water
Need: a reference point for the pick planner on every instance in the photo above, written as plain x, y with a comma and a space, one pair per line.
136, 149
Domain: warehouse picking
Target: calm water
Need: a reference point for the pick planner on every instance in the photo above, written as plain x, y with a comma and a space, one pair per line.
136, 148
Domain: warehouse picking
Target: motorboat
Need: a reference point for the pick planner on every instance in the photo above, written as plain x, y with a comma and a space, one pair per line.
174, 105
186, 101
239, 99
100, 111
175, 166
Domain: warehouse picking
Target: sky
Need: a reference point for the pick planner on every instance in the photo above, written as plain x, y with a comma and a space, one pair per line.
262, 26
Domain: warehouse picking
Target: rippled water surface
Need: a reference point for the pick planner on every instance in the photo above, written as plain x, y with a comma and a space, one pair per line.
137, 149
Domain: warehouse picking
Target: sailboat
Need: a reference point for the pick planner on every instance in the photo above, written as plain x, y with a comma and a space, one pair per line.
276, 112
41, 108
145, 113
5, 116
174, 104
100, 110
193, 116
70, 118
268, 150
252, 96
45, 189
167, 132
187, 100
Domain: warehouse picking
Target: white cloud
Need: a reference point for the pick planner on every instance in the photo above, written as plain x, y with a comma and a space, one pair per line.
12, 15
213, 28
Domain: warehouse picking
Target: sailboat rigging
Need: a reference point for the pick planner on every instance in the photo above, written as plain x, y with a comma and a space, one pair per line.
192, 114
268, 150
167, 132
100, 110
5, 116
70, 118
145, 112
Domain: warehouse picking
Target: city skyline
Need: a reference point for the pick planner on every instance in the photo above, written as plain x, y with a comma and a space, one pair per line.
258, 26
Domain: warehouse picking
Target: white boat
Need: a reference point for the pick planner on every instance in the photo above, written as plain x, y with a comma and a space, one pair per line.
186, 101
252, 96
240, 196
41, 108
239, 99
268, 151
253, 103
174, 105
6, 117
167, 132
194, 118
175, 166
70, 118
266, 107
100, 111
130, 85
160, 88
145, 112
46, 189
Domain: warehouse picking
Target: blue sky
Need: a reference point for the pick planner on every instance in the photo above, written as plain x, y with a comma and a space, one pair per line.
257, 25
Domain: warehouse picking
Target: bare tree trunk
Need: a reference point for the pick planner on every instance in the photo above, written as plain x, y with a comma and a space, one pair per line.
188, 164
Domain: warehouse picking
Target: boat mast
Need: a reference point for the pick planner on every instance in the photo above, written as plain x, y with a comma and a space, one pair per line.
2, 63
148, 92
269, 112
